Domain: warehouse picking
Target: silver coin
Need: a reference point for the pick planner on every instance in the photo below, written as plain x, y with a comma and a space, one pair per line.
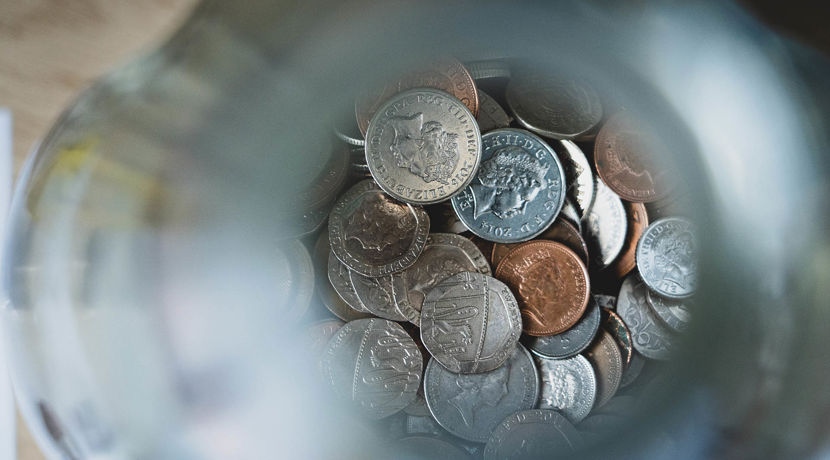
375, 365
568, 386
427, 447
518, 190
318, 334
445, 255
570, 213
606, 226
375, 235
533, 434
568, 343
294, 280
470, 323
635, 367
423, 146
470, 406
342, 284
354, 139
490, 114
376, 296
488, 68
328, 272
604, 355
672, 312
667, 257
606, 301
551, 105
578, 175
650, 337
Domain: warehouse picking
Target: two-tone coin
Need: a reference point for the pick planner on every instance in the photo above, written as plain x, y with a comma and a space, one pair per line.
604, 355
518, 190
568, 343
533, 434
606, 227
490, 114
578, 175
568, 385
650, 337
667, 257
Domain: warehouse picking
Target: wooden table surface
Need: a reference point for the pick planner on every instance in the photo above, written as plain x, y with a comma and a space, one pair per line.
52, 49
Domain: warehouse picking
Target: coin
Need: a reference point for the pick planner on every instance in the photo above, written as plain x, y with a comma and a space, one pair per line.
490, 114
340, 279
427, 447
673, 313
470, 406
518, 190
567, 234
570, 213
605, 357
627, 159
551, 105
486, 69
347, 131
568, 343
635, 367
612, 323
294, 279
376, 296
423, 146
606, 301
375, 365
606, 227
568, 386
319, 333
637, 223
500, 251
578, 175
551, 284
649, 336
328, 272
447, 75
533, 434
375, 235
667, 257
470, 323
445, 255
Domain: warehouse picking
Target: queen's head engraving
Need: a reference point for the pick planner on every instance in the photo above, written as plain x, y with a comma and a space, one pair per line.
507, 181
426, 149
473, 395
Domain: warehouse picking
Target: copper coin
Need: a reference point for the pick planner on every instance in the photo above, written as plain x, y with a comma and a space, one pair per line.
627, 160
500, 251
612, 323
637, 223
550, 283
605, 356
561, 231
448, 75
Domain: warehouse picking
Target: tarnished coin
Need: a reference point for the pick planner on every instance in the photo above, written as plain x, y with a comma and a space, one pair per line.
604, 354
294, 280
447, 75
650, 337
673, 313
375, 235
319, 333
615, 326
606, 227
637, 223
635, 367
628, 160
568, 386
470, 323
374, 364
555, 106
490, 114
667, 257
578, 175
470, 406
427, 447
606, 301
533, 434
568, 343
445, 255
376, 296
567, 234
423, 146
551, 284
518, 190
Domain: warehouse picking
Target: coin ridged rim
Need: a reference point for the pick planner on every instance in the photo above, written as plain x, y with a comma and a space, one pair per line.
639, 254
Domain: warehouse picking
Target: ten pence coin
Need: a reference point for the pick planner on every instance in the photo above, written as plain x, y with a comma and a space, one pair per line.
667, 257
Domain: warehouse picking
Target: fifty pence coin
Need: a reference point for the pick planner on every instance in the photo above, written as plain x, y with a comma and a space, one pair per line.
606, 226
490, 114
423, 146
518, 190
615, 326
445, 255
568, 343
568, 386
533, 434
637, 223
673, 313
376, 296
375, 365
604, 354
374, 235
470, 406
470, 323
667, 257
578, 175
650, 337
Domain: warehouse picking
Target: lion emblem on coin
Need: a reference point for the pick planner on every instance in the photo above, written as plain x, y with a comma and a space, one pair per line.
426, 149
507, 181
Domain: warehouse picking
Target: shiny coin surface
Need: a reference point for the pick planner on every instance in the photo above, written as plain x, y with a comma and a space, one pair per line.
470, 406
447, 75
533, 434
606, 227
294, 279
551, 284
568, 386
627, 159
637, 223
667, 257
578, 175
375, 365
427, 447
423, 146
604, 355
551, 105
490, 114
376, 296
650, 337
445, 255
375, 235
568, 343
470, 323
570, 213
674, 313
615, 326
518, 190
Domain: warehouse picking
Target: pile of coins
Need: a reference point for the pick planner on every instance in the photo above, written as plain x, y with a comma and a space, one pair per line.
498, 290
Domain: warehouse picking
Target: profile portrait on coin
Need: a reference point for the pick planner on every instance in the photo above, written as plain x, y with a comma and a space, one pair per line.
489, 392
676, 258
425, 149
543, 284
378, 228
507, 182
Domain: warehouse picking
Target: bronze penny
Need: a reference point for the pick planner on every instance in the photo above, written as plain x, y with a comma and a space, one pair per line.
561, 231
637, 223
627, 159
448, 75
500, 251
550, 283
612, 323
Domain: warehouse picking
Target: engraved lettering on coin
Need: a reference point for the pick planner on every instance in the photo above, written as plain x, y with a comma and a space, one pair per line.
490, 114
667, 257
650, 337
606, 227
533, 434
568, 343
568, 386
604, 355
674, 313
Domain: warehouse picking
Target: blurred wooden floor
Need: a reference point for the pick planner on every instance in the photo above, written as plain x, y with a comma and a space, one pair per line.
52, 49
